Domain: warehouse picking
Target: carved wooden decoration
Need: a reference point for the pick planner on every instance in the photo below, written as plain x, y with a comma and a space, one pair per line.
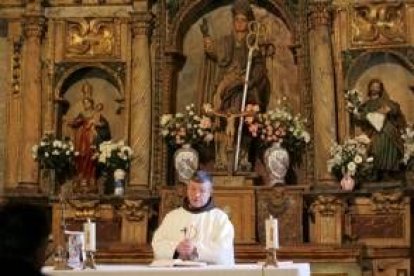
286, 205
134, 214
16, 66
326, 220
87, 38
82, 210
373, 24
381, 220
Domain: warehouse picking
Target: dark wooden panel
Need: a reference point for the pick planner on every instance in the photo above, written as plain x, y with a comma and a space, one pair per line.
378, 226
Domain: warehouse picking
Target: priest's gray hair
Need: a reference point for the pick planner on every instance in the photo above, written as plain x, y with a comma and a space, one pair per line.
202, 177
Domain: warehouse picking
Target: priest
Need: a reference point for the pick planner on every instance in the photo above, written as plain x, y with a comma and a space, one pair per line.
198, 230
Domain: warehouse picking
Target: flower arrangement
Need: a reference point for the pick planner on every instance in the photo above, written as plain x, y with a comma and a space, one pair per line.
55, 154
408, 138
351, 158
354, 101
186, 128
278, 125
113, 156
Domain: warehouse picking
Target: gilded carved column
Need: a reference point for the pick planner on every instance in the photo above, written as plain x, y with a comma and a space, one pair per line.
140, 100
4, 91
13, 111
31, 101
323, 90
173, 61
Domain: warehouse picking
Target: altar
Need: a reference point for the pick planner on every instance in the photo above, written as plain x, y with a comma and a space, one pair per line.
284, 269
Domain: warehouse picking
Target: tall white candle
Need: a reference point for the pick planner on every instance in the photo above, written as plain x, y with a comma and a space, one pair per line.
272, 233
89, 229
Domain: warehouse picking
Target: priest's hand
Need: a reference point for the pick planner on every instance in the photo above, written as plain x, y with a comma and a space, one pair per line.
187, 250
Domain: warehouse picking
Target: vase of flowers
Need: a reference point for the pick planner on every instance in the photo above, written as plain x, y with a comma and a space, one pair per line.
351, 160
347, 182
353, 101
284, 135
182, 132
56, 159
277, 163
119, 182
115, 161
186, 162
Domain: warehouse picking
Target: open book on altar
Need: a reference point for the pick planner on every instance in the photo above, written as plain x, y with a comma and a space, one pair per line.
175, 262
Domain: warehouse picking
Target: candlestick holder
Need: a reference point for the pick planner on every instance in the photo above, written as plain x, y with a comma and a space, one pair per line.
61, 259
89, 261
271, 257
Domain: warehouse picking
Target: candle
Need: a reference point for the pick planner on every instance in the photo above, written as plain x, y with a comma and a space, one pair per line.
89, 230
272, 233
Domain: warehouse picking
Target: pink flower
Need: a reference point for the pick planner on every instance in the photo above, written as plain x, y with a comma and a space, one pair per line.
249, 119
252, 108
205, 122
253, 128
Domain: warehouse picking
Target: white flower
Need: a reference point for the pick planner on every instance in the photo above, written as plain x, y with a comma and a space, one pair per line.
209, 137
57, 144
127, 150
358, 159
207, 108
351, 167
165, 119
370, 159
306, 136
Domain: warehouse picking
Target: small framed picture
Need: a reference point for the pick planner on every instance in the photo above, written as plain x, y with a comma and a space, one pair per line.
75, 247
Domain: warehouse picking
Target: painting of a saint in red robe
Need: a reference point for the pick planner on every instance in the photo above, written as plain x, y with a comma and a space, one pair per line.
90, 129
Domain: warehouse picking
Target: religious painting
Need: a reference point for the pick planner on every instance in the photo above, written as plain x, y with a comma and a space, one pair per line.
89, 115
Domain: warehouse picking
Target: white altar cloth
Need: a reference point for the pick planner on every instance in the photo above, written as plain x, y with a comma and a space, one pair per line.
288, 269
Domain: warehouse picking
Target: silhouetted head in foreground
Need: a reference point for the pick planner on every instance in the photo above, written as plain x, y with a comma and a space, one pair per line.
24, 231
